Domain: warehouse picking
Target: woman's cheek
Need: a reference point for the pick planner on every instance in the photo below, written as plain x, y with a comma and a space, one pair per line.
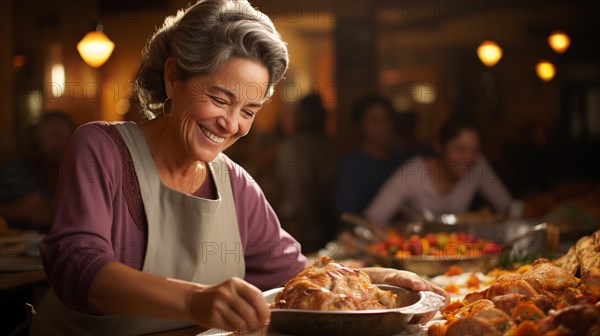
245, 128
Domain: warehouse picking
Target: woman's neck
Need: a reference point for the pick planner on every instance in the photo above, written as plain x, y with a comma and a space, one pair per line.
173, 164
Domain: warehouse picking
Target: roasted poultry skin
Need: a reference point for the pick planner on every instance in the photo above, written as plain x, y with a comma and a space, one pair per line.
327, 285
545, 300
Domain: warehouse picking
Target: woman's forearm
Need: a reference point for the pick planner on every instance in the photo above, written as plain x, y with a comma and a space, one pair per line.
233, 304
120, 290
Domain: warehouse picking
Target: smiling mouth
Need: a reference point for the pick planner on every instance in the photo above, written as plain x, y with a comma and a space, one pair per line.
214, 138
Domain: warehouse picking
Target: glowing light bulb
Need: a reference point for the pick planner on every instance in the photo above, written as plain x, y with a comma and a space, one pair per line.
545, 70
489, 53
559, 41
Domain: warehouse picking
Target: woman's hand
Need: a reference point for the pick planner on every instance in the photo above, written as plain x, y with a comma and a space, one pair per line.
409, 280
233, 305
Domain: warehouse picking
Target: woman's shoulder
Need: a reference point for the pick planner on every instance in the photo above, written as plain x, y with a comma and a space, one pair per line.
414, 163
410, 171
245, 189
237, 174
99, 137
98, 130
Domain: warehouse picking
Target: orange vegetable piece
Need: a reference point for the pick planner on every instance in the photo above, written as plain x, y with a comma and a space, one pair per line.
526, 310
437, 329
425, 245
402, 254
473, 282
453, 249
527, 328
454, 270
451, 288
450, 310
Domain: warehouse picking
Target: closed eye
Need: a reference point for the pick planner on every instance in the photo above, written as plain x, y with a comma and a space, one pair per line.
249, 113
218, 100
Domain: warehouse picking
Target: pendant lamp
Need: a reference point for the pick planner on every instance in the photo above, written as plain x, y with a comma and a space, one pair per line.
95, 47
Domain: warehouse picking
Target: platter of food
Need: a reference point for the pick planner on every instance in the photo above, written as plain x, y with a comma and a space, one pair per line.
434, 253
546, 297
330, 299
458, 282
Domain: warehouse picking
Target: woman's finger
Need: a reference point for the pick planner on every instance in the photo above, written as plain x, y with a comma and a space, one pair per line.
247, 312
254, 298
416, 283
410, 280
233, 321
223, 317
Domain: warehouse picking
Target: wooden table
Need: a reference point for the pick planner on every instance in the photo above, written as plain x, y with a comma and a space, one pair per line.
181, 332
193, 331
20, 271
13, 280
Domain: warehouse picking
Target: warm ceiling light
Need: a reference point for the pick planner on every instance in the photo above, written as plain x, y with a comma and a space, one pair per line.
489, 53
95, 47
545, 70
559, 41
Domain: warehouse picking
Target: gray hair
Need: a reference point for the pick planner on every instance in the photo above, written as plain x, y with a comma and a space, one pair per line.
202, 38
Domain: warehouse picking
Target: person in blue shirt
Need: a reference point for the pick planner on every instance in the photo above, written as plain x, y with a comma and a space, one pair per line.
364, 169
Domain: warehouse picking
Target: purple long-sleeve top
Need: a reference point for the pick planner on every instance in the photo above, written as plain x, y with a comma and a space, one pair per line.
99, 218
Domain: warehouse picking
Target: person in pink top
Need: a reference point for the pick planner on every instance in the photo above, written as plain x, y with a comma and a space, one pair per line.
445, 183
156, 229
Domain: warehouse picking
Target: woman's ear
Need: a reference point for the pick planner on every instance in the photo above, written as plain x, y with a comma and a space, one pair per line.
170, 75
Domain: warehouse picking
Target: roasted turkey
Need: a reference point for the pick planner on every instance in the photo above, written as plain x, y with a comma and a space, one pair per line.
327, 285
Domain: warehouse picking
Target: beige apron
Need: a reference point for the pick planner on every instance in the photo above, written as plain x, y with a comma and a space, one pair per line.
189, 238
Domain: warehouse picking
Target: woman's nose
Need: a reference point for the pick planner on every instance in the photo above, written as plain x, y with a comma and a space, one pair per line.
229, 122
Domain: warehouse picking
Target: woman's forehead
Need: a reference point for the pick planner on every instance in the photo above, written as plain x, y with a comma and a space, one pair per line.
241, 78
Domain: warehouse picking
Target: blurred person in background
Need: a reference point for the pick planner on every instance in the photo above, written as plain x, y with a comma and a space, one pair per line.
307, 166
444, 183
363, 170
27, 183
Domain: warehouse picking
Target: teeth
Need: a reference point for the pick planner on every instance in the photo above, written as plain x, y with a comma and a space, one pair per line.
212, 136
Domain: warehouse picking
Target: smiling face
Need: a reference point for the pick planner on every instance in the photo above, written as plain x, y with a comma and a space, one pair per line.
461, 152
210, 113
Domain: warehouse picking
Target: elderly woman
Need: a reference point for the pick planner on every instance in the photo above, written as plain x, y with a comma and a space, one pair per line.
444, 183
156, 229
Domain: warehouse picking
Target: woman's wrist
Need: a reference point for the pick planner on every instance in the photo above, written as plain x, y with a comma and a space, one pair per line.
193, 291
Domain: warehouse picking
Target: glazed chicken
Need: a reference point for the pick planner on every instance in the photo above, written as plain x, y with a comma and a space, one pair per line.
490, 321
327, 285
544, 300
547, 299
551, 278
